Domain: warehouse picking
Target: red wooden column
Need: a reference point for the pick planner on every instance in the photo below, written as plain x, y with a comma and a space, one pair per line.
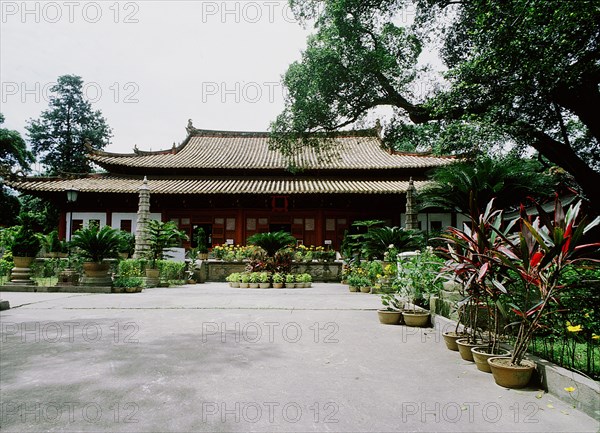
240, 227
320, 228
62, 225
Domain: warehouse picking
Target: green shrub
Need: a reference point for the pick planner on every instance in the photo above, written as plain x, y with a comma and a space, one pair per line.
47, 268
128, 282
131, 268
25, 242
126, 242
170, 270
6, 264
234, 277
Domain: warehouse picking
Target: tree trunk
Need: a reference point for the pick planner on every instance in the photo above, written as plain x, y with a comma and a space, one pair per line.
563, 155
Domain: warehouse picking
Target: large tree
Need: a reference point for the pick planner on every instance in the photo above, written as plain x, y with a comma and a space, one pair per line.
529, 70
14, 159
58, 137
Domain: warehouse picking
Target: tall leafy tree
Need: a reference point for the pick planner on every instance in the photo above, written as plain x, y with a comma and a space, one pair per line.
528, 69
58, 137
14, 159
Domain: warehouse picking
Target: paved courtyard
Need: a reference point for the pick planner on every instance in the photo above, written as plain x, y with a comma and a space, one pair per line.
213, 358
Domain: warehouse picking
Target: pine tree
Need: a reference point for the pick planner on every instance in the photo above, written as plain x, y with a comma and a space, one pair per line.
58, 137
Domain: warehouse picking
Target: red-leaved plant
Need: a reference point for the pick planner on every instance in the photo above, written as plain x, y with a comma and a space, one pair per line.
471, 257
538, 254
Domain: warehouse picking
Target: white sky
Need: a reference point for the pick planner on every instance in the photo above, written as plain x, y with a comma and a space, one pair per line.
151, 65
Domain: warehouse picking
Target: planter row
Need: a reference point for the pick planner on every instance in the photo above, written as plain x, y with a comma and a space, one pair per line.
217, 271
505, 374
270, 285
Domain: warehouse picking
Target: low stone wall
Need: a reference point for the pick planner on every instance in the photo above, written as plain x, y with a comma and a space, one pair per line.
551, 377
217, 271
56, 289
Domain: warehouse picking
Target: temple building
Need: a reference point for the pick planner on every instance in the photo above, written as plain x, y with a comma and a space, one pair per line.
234, 185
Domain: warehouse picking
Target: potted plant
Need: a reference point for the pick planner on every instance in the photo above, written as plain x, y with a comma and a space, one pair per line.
160, 235
355, 281
126, 244
245, 280
290, 281
24, 246
450, 337
264, 280
254, 280
127, 284
278, 280
95, 245
306, 279
201, 243
272, 242
55, 248
471, 260
234, 279
392, 314
420, 278
328, 256
538, 255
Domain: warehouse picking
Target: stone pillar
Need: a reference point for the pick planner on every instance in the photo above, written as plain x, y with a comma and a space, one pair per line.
143, 216
412, 222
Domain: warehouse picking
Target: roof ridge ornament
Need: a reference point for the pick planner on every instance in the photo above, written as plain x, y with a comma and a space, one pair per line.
190, 127
378, 128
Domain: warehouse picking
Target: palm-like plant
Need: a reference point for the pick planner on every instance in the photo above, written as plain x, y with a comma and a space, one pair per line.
95, 243
379, 240
272, 242
467, 186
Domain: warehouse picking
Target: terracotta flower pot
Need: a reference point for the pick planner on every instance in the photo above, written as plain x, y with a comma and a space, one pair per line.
95, 270
253, 285
152, 273
277, 285
387, 317
450, 340
23, 262
415, 318
365, 289
481, 355
353, 288
511, 376
464, 348
244, 285
265, 285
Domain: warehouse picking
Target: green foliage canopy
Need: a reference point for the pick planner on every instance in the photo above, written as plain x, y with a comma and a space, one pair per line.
529, 71
58, 137
14, 158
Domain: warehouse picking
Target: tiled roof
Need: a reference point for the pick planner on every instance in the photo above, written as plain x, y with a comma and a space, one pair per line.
248, 150
216, 185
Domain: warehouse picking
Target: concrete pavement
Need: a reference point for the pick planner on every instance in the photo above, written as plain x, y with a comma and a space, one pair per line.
212, 358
